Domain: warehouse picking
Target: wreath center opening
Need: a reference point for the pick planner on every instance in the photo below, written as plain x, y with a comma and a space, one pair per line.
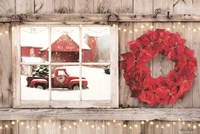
160, 66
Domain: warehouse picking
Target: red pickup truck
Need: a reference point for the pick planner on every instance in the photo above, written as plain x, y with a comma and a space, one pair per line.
60, 79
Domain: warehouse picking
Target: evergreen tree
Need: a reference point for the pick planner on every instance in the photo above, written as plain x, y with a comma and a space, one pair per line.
41, 71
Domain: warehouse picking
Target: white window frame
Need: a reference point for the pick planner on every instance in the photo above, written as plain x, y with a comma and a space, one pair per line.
112, 103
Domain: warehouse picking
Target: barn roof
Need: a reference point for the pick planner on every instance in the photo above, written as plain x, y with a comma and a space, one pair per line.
66, 44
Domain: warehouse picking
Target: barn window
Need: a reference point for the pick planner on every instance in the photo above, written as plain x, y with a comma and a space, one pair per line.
65, 66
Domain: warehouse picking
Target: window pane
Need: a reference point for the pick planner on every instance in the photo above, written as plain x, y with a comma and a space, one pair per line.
99, 80
96, 44
65, 44
34, 82
34, 40
65, 82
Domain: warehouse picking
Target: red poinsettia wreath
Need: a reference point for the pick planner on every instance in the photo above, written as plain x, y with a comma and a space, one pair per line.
163, 90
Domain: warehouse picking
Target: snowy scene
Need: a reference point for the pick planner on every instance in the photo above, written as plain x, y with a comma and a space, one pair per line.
65, 48
98, 87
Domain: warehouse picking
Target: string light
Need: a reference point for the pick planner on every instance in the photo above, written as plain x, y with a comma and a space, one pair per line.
6, 32
157, 126
80, 120
70, 126
22, 123
136, 30
98, 127
124, 125
142, 122
136, 126
1, 127
124, 30
151, 123
194, 126
92, 126
6, 126
130, 127
114, 121
13, 123
27, 127
174, 123
108, 123
168, 125
142, 26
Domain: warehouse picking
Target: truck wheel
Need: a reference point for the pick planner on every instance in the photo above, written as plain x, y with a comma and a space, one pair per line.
39, 86
76, 87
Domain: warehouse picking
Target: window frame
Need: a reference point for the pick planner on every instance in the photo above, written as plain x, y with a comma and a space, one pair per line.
18, 103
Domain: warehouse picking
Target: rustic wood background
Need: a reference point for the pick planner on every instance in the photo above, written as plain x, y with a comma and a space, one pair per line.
158, 65
98, 127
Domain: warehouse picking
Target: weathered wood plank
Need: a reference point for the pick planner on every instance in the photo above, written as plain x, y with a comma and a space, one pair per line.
195, 46
164, 5
98, 18
125, 35
7, 7
183, 7
84, 6
102, 6
187, 101
64, 6
43, 6
116, 6
143, 6
126, 6
100, 114
24, 6
5, 68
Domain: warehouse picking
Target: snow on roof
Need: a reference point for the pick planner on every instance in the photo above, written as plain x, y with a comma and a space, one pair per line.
32, 60
76, 40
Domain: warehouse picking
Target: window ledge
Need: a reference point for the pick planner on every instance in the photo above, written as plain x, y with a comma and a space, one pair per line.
190, 114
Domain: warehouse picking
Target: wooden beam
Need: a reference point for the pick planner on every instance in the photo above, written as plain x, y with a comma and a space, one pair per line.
101, 114
98, 18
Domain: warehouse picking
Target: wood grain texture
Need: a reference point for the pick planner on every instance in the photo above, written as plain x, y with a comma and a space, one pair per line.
101, 114
195, 46
186, 34
143, 6
43, 6
24, 6
84, 6
64, 6
102, 6
125, 94
7, 7
5, 67
183, 7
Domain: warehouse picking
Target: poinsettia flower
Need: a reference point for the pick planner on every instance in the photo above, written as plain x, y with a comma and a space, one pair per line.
149, 97
129, 61
150, 41
163, 94
135, 45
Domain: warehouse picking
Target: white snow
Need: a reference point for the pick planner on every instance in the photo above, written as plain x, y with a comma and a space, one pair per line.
98, 87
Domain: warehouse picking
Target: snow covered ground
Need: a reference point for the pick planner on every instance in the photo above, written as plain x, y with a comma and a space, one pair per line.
98, 87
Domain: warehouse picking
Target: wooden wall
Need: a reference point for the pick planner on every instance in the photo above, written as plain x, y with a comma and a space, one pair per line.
98, 127
158, 65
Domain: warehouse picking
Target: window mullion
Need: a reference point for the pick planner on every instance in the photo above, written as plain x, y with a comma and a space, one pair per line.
49, 57
80, 61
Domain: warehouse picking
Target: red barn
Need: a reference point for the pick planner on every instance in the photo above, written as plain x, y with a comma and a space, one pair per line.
30, 51
64, 49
